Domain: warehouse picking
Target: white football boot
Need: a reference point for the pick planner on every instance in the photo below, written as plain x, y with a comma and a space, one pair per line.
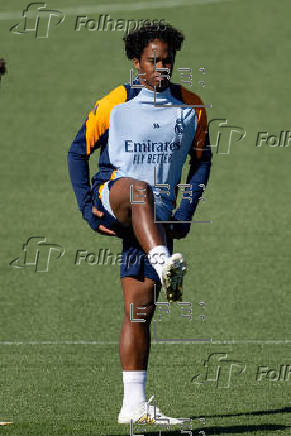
147, 414
172, 277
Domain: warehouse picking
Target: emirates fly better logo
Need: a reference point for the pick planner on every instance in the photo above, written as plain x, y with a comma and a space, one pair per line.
38, 19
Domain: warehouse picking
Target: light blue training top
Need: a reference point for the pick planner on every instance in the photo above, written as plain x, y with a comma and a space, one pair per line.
143, 136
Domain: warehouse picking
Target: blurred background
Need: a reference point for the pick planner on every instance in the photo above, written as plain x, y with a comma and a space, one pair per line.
60, 311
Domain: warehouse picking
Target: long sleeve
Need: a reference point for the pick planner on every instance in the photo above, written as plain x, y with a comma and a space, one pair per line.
198, 177
78, 166
92, 135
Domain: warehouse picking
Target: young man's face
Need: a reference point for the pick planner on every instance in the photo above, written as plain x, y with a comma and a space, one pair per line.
164, 59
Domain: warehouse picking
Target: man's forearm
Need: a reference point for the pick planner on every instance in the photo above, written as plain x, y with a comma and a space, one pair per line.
78, 166
197, 178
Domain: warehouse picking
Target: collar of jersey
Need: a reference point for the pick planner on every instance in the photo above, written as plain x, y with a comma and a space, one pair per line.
146, 95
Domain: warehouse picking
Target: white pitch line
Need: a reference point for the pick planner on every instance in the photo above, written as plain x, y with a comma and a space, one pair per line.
105, 8
59, 343
255, 342
174, 342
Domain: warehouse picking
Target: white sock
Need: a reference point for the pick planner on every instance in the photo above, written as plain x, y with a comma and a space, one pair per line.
134, 388
158, 257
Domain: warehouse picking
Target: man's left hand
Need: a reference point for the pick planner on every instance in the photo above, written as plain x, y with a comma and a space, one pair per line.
178, 230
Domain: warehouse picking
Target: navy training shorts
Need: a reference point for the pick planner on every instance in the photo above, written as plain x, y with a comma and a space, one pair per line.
134, 262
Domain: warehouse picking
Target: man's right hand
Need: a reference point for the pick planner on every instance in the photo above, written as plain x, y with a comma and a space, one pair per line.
102, 229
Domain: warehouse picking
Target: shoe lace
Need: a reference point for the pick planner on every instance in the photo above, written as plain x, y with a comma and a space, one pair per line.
150, 410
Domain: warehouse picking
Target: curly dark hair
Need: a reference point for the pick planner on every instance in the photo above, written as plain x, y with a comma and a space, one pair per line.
136, 40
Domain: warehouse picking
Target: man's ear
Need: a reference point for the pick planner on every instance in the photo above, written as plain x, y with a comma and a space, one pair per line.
136, 63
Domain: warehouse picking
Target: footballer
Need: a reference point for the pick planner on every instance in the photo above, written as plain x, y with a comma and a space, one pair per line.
145, 130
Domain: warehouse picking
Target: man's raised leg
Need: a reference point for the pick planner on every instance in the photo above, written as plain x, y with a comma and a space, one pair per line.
140, 216
151, 236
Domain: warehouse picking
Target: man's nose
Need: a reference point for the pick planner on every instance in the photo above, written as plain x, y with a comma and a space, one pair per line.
161, 64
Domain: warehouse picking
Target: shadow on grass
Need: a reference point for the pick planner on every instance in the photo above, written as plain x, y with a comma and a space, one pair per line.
223, 429
255, 413
217, 430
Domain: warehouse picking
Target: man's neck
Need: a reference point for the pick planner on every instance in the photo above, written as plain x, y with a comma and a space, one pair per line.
158, 89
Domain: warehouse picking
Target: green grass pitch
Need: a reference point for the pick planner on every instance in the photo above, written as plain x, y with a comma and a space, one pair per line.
52, 383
